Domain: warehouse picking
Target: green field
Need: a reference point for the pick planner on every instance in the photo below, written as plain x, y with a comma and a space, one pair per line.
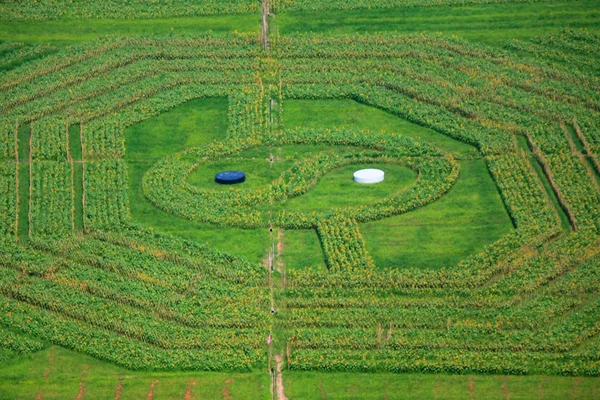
471, 272
495, 24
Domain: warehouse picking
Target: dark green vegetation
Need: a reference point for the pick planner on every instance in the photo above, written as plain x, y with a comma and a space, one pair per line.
495, 24
478, 256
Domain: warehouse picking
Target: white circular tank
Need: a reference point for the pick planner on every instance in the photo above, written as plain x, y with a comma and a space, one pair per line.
369, 175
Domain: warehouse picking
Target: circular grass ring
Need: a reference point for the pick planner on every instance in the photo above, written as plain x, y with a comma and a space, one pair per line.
230, 177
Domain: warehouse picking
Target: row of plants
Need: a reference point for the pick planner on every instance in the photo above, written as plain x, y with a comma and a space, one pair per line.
63, 297
51, 199
343, 245
8, 200
41, 10
106, 199
119, 349
307, 5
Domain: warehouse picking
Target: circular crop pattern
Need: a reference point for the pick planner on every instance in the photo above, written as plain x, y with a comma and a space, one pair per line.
165, 184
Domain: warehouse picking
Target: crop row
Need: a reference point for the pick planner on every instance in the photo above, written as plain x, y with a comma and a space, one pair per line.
343, 245
51, 198
130, 9
307, 5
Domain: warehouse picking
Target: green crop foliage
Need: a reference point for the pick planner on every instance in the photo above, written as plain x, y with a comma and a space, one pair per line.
478, 256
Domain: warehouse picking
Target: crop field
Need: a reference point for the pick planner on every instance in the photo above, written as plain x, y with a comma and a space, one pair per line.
472, 271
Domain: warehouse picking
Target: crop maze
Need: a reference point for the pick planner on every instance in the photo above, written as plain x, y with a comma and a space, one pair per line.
76, 270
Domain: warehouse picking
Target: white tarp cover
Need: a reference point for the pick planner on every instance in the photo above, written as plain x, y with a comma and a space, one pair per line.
369, 175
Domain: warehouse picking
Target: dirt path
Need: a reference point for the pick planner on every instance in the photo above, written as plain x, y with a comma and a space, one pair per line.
188, 391
471, 388
81, 392
505, 391
151, 391
279, 381
119, 388
541, 389
226, 394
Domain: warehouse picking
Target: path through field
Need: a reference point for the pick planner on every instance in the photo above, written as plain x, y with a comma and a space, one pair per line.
151, 391
279, 381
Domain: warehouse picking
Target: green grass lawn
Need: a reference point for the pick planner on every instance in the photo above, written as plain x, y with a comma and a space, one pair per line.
64, 32
194, 123
338, 386
444, 232
57, 373
493, 24
461, 223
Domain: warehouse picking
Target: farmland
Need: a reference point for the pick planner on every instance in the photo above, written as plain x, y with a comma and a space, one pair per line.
473, 270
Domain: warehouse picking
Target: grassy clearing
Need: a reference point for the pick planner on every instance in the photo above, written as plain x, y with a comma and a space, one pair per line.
64, 32
461, 223
192, 124
494, 24
348, 113
338, 189
330, 385
259, 172
301, 248
58, 374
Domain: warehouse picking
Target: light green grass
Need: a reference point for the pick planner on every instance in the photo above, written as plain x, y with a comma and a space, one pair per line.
470, 216
194, 123
259, 172
459, 224
300, 248
350, 114
338, 189
338, 386
58, 374
71, 31
494, 24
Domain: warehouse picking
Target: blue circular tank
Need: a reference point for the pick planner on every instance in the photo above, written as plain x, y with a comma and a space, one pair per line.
230, 177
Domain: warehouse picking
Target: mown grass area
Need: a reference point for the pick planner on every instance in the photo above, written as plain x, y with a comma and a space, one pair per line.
493, 24
469, 217
337, 386
194, 123
64, 32
56, 373
461, 223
